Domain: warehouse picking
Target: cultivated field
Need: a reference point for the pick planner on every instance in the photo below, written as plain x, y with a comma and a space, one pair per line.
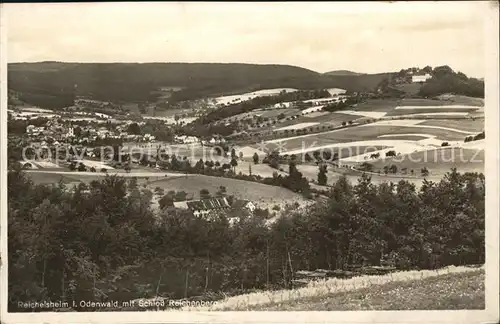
264, 170
462, 100
409, 88
368, 132
407, 106
371, 114
447, 288
336, 91
297, 126
273, 113
267, 113
98, 165
262, 195
39, 177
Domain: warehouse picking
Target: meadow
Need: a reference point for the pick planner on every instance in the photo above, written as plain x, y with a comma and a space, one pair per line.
273, 113
406, 137
382, 105
476, 125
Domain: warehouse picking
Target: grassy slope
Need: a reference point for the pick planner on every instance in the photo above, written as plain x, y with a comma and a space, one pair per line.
136, 82
445, 292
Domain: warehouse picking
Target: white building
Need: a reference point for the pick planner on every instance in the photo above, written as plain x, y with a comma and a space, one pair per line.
420, 78
187, 139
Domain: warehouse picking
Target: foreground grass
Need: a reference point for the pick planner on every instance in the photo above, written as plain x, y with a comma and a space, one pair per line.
446, 292
447, 288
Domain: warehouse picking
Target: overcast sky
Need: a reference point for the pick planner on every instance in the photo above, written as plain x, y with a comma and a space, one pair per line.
361, 37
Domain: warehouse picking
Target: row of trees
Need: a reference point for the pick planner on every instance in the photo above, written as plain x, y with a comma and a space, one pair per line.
104, 241
262, 101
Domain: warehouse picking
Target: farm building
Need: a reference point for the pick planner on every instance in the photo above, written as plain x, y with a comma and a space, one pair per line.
311, 110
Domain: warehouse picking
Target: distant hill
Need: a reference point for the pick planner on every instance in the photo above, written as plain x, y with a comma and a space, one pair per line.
342, 72
56, 84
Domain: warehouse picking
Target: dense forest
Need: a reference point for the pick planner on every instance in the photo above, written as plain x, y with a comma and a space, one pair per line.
42, 83
104, 241
445, 80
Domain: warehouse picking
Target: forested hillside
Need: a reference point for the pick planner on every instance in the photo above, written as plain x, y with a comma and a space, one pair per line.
104, 241
445, 80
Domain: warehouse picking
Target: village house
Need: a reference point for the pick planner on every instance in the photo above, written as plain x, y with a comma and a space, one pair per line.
183, 139
203, 207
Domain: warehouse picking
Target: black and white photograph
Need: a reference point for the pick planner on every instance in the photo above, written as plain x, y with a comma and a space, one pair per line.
249, 162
